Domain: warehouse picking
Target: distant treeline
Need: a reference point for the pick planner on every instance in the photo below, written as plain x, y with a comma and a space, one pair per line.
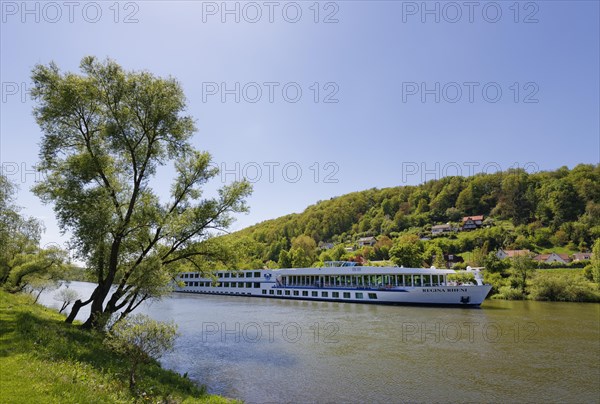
542, 210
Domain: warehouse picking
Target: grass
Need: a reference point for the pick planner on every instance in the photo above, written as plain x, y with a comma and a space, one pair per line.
43, 359
557, 250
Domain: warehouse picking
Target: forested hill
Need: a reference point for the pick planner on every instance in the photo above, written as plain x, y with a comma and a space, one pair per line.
538, 211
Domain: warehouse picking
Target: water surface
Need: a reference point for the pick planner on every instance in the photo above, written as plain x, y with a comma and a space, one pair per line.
270, 350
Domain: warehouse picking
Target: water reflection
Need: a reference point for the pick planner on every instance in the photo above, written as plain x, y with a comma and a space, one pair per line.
269, 350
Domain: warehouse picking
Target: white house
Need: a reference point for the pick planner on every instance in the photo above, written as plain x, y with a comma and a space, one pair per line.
441, 228
552, 257
366, 241
511, 253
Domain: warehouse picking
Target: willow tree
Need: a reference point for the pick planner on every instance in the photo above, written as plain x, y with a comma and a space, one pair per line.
106, 131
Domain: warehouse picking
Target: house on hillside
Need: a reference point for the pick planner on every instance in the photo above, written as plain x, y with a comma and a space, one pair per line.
441, 229
366, 241
552, 257
452, 259
472, 222
325, 246
511, 253
582, 256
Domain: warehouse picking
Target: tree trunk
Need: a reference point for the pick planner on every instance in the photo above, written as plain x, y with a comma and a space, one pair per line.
74, 310
97, 310
132, 375
38, 295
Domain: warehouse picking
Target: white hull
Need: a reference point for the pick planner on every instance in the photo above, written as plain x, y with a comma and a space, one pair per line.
451, 295
260, 284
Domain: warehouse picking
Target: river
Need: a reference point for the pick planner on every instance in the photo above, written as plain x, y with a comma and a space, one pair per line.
269, 350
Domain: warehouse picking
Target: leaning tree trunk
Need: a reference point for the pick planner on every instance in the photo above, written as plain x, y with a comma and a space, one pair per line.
74, 310
77, 306
96, 310
132, 375
103, 288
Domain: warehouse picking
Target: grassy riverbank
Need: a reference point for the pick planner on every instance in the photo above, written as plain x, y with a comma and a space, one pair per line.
556, 285
42, 359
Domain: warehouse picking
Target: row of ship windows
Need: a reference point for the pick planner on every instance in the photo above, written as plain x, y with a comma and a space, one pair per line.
240, 274
303, 293
226, 284
314, 293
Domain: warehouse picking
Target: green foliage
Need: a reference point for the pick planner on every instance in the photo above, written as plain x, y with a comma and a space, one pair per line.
595, 263
44, 360
434, 255
508, 292
407, 252
522, 211
299, 258
496, 280
522, 269
141, 339
462, 277
284, 260
479, 255
493, 264
561, 286
24, 265
106, 132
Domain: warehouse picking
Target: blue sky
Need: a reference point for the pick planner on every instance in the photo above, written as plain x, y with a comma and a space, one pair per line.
414, 90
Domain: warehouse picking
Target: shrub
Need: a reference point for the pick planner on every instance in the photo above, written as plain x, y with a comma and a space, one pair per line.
495, 279
563, 287
509, 293
141, 339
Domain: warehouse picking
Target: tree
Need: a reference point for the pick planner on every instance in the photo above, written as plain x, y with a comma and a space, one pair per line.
523, 268
382, 248
105, 134
284, 260
596, 262
493, 264
36, 270
141, 339
66, 297
517, 197
299, 258
307, 245
23, 264
434, 255
407, 252
479, 255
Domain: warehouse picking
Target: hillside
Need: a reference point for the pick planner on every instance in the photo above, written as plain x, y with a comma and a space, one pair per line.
547, 211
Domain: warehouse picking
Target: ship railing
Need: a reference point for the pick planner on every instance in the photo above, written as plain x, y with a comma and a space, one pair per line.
380, 286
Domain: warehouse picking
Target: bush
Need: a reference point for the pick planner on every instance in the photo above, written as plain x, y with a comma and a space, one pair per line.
462, 277
141, 339
509, 293
495, 279
563, 287
459, 266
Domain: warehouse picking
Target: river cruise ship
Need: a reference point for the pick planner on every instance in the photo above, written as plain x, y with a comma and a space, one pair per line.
345, 282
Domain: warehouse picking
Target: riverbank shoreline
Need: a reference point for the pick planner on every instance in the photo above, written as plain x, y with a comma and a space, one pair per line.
44, 359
